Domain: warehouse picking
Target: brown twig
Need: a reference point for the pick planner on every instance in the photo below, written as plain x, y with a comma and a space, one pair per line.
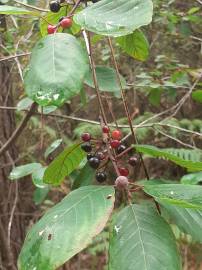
14, 56
74, 8
87, 39
31, 7
125, 104
74, 118
19, 129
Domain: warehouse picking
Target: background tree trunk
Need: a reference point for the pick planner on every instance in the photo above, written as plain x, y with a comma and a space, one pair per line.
10, 226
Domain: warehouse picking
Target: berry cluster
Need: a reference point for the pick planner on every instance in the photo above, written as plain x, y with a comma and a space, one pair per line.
64, 22
94, 159
98, 156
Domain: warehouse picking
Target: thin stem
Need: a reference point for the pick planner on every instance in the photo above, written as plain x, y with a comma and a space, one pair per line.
110, 110
125, 104
74, 118
30, 6
14, 57
19, 130
174, 139
125, 152
74, 8
92, 63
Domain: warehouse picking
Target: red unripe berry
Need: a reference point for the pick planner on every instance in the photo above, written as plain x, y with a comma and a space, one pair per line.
116, 134
121, 182
115, 143
105, 129
51, 29
123, 171
86, 137
66, 23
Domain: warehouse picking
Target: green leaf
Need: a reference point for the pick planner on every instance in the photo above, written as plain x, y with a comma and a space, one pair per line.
193, 10
52, 147
24, 104
40, 194
107, 79
187, 196
67, 228
141, 239
155, 96
24, 170
12, 10
115, 17
197, 96
192, 178
37, 177
188, 220
63, 64
64, 164
48, 109
190, 159
135, 44
84, 178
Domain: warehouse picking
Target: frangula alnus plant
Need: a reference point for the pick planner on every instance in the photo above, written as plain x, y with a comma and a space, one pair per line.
140, 235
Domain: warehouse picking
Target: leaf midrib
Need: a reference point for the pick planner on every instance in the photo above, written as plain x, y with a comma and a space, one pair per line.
139, 232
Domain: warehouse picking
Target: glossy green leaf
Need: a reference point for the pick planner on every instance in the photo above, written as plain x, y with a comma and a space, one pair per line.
84, 178
135, 45
192, 178
67, 228
187, 196
63, 64
115, 17
190, 159
188, 220
64, 164
141, 239
197, 96
24, 170
107, 79
54, 145
12, 10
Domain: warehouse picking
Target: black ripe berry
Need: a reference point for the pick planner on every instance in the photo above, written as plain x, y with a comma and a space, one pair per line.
90, 155
121, 148
55, 6
87, 147
101, 177
133, 161
94, 162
